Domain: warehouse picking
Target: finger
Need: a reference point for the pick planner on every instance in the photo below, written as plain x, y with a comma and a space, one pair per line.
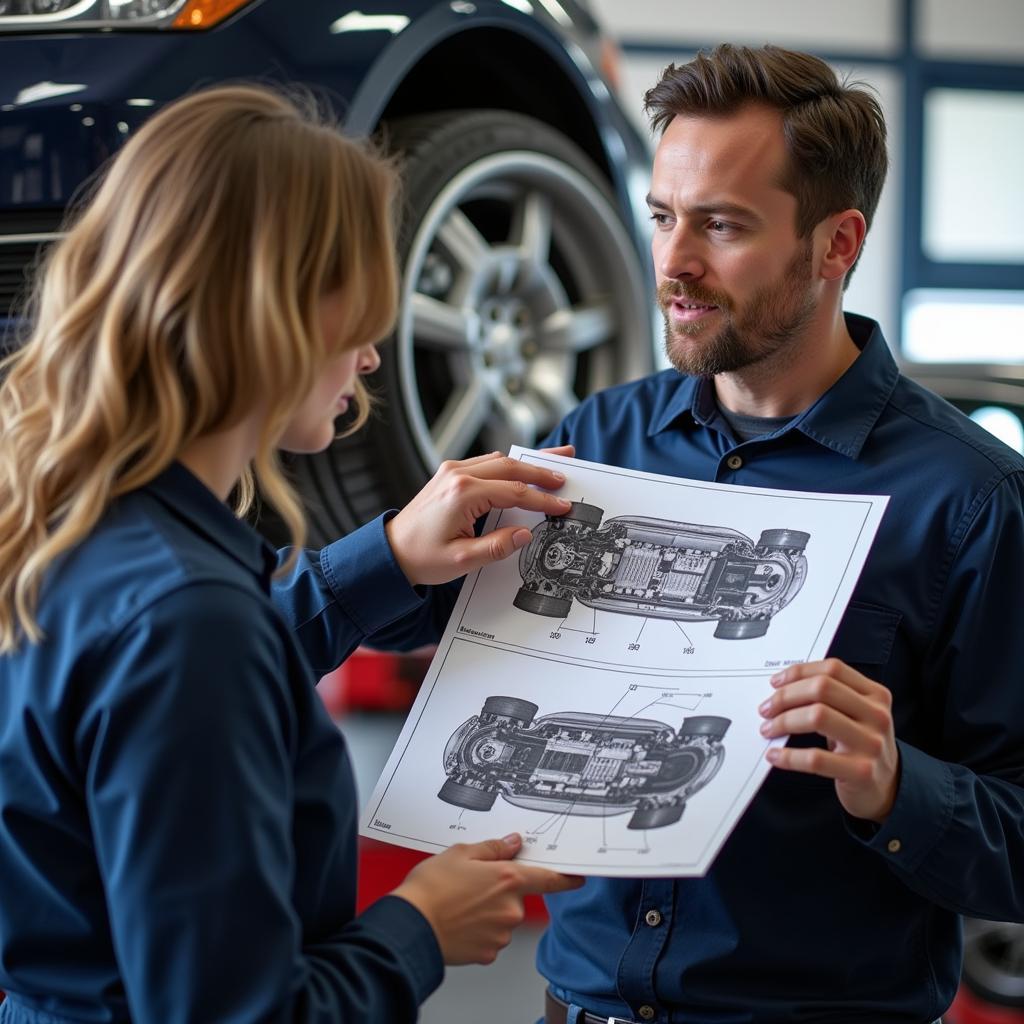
815, 761
833, 667
513, 469
493, 849
455, 464
824, 690
474, 553
567, 450
827, 722
541, 880
510, 494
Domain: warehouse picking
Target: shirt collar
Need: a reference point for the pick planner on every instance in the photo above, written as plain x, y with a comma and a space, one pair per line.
192, 501
840, 419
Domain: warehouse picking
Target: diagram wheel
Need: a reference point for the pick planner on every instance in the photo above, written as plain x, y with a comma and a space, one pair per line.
656, 817
511, 243
468, 797
579, 512
712, 726
541, 604
783, 540
519, 710
741, 629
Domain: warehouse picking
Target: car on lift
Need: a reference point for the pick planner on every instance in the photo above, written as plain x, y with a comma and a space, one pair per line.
580, 763
522, 239
635, 565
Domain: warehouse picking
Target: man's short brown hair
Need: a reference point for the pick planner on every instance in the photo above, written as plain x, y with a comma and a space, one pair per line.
834, 131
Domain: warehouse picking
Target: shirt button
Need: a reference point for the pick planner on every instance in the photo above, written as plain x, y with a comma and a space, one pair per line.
734, 462
647, 1012
653, 918
894, 846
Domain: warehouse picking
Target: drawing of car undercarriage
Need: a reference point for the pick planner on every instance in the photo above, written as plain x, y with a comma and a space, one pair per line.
661, 569
581, 763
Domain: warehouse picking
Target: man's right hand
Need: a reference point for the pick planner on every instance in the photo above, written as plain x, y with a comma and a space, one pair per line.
472, 896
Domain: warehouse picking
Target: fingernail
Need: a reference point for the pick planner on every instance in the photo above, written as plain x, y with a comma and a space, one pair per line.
773, 755
565, 501
766, 728
776, 680
521, 538
512, 839
560, 477
766, 706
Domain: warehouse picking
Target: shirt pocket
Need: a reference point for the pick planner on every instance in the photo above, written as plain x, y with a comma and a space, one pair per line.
865, 641
866, 637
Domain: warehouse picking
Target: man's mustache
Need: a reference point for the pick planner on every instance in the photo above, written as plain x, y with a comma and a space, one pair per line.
675, 291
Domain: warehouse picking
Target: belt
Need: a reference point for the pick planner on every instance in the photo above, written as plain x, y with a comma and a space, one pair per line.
557, 1012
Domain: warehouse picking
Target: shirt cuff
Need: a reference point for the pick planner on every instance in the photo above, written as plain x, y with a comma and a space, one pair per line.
401, 927
365, 578
920, 815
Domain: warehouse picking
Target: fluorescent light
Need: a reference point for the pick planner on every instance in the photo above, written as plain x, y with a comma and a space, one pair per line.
356, 21
46, 91
950, 325
1003, 424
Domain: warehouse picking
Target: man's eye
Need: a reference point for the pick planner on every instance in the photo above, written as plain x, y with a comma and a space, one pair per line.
661, 219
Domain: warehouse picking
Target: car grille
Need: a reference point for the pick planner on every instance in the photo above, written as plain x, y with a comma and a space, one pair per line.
24, 234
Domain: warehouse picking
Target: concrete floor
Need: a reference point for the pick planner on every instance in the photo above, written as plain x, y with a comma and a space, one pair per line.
510, 991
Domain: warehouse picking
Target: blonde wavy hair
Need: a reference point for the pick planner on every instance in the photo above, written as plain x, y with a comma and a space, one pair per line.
183, 297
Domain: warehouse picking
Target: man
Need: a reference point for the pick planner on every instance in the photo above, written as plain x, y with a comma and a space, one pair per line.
899, 803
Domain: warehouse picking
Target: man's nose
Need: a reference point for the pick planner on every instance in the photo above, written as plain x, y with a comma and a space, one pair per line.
679, 256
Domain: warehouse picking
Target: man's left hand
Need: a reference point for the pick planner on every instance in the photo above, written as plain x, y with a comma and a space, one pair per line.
854, 714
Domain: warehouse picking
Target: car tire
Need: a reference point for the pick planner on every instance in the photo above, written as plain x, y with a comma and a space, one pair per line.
783, 540
993, 966
468, 797
522, 291
713, 726
587, 515
656, 817
541, 604
741, 629
521, 711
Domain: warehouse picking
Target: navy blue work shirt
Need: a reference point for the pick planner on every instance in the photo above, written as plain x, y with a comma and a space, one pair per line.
177, 810
807, 914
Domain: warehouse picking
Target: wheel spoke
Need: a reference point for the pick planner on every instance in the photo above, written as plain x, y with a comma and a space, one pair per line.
577, 329
438, 325
552, 390
519, 421
465, 245
461, 420
533, 228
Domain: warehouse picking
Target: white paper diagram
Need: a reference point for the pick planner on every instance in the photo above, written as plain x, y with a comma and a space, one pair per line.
599, 693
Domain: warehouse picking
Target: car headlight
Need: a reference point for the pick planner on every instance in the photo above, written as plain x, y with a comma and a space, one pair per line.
61, 15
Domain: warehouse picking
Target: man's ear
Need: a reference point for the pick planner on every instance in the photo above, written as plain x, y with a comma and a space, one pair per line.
844, 235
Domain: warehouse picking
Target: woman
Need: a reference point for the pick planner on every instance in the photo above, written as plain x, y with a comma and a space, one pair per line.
177, 812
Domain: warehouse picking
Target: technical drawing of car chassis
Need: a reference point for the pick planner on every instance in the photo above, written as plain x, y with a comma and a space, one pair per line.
661, 569
581, 763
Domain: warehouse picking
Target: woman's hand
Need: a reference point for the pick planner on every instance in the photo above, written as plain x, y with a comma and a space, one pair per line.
472, 896
433, 537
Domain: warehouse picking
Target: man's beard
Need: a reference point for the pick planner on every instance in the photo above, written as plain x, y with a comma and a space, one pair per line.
774, 316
